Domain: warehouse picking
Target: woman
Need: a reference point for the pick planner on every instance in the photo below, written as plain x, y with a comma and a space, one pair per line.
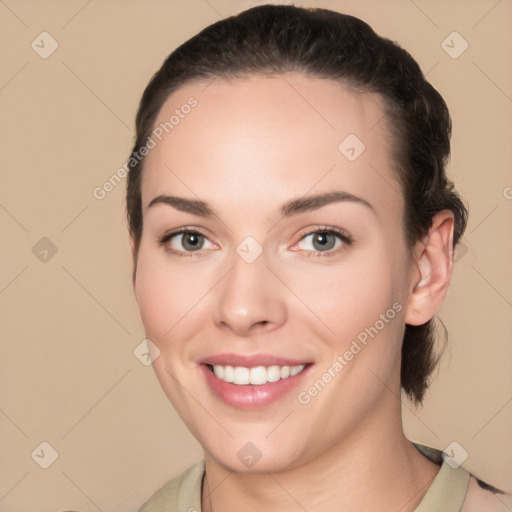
293, 230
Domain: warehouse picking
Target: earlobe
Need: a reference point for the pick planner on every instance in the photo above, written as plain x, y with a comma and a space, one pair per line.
434, 263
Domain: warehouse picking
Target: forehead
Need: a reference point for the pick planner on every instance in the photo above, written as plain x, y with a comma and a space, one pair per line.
277, 136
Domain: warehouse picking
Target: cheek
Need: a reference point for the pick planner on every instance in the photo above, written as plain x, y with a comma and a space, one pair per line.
154, 300
349, 298
165, 298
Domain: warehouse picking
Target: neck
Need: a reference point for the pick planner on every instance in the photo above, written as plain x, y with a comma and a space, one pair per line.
374, 468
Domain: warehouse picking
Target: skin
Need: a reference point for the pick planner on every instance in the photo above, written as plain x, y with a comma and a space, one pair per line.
249, 146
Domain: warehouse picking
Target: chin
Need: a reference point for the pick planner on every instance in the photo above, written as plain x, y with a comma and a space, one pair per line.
240, 455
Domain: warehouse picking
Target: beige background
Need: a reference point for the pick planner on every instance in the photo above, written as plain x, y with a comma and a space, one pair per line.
69, 325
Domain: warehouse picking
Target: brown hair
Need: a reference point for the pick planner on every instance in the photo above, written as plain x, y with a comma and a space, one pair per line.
272, 39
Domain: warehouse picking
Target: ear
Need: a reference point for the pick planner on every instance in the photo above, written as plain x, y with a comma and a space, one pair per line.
433, 262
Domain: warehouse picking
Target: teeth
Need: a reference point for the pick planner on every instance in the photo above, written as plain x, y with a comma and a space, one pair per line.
229, 374
295, 369
258, 375
273, 373
241, 375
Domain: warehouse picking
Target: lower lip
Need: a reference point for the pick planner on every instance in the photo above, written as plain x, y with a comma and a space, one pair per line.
251, 396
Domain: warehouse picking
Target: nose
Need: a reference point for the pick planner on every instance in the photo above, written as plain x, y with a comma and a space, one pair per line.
250, 299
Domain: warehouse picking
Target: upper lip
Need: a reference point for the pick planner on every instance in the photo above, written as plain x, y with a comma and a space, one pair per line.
250, 361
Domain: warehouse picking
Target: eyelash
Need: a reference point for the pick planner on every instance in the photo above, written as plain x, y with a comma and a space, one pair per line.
341, 234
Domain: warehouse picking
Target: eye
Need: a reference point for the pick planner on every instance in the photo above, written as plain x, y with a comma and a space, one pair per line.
324, 240
185, 241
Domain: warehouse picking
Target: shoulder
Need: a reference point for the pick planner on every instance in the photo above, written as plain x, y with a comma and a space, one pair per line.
183, 490
481, 496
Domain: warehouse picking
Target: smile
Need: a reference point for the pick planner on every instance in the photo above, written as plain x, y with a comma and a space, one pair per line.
255, 385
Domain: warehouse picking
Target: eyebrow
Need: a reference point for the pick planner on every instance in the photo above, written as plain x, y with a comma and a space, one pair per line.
293, 207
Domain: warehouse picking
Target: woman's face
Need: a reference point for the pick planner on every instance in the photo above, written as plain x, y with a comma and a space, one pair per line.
293, 255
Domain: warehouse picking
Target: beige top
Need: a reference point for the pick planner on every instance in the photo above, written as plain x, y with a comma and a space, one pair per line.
183, 493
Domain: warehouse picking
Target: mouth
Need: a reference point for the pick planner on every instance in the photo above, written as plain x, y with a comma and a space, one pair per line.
252, 382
